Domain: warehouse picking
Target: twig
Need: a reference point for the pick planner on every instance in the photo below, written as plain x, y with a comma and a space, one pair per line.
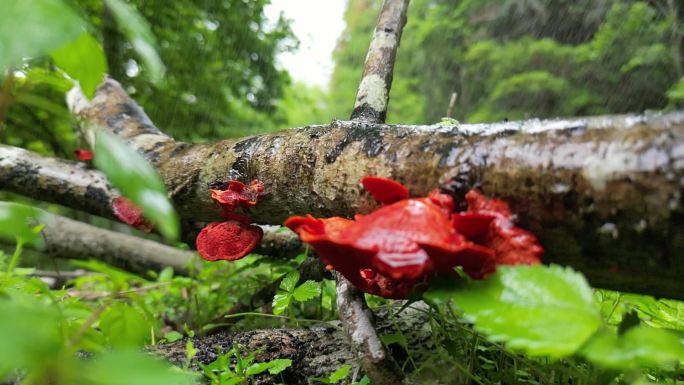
371, 106
452, 104
357, 320
374, 89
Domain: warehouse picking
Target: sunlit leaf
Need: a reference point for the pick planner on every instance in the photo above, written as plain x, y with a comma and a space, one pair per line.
339, 374
273, 367
19, 221
129, 172
280, 302
124, 326
138, 32
638, 346
307, 291
133, 368
83, 60
542, 310
288, 283
34, 28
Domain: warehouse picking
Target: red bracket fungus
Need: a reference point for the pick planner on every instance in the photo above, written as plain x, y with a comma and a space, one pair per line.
396, 248
84, 155
235, 237
129, 213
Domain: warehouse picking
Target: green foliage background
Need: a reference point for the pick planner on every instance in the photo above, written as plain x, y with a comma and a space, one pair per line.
518, 59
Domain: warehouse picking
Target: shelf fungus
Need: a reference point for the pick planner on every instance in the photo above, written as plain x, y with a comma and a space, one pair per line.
235, 237
397, 248
129, 213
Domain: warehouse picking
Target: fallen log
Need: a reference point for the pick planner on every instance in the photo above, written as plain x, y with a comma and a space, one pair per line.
316, 351
604, 194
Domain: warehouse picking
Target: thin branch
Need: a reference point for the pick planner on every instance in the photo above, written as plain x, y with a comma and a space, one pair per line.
358, 323
67, 238
373, 93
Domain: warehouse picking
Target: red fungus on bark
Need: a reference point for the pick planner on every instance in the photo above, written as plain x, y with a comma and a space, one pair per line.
237, 194
391, 250
84, 155
512, 245
229, 240
235, 237
129, 213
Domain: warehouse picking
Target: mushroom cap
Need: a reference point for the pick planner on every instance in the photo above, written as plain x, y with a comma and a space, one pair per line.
393, 250
229, 240
511, 244
238, 194
383, 190
84, 155
129, 213
390, 250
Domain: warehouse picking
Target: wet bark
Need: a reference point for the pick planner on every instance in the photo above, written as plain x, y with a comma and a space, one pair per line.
604, 194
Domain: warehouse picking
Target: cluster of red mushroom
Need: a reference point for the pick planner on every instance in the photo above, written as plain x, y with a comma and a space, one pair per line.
398, 247
235, 237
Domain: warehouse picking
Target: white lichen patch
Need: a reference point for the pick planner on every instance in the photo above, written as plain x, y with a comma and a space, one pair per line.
373, 90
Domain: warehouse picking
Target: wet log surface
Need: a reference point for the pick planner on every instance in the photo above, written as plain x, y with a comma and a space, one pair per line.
604, 194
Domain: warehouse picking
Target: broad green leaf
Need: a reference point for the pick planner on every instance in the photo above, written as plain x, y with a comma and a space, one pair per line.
29, 333
172, 336
274, 367
34, 28
638, 346
307, 291
288, 283
137, 31
339, 374
83, 60
280, 302
124, 326
537, 309
130, 173
19, 221
279, 364
132, 368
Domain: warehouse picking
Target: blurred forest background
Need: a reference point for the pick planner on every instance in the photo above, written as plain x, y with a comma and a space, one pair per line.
509, 59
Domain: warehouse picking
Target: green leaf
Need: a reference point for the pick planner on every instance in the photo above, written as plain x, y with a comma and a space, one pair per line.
124, 326
172, 336
33, 28
83, 60
137, 31
279, 364
339, 374
638, 346
307, 291
274, 367
363, 381
280, 302
129, 172
538, 309
18, 221
288, 283
29, 333
133, 368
